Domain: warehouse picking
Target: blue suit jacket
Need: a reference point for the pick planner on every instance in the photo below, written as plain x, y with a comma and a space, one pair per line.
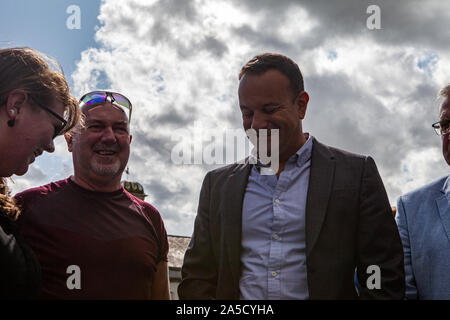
423, 221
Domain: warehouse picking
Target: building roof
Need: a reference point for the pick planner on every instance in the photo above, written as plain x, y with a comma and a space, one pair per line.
177, 248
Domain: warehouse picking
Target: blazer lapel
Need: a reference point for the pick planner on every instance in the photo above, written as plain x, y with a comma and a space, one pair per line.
320, 185
232, 215
444, 207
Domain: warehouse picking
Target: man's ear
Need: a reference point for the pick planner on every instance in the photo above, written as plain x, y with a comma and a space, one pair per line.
302, 103
131, 137
69, 140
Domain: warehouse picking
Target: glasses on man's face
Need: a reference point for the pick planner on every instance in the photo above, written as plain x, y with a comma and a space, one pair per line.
441, 127
59, 128
97, 97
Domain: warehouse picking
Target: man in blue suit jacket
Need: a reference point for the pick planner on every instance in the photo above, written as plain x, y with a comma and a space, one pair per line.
423, 221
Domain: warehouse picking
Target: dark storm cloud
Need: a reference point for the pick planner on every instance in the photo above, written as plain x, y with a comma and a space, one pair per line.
260, 39
404, 22
213, 45
345, 115
162, 194
157, 146
174, 118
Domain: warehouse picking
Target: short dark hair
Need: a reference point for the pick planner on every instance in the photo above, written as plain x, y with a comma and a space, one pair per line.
266, 61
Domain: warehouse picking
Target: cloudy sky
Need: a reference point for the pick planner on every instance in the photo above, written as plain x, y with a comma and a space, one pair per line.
372, 91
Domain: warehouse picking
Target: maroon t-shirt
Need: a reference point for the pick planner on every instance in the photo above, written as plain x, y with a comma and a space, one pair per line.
115, 239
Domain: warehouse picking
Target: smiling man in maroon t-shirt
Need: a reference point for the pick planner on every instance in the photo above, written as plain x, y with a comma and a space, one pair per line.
93, 239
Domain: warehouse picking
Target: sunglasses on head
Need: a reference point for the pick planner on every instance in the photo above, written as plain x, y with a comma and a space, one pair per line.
97, 97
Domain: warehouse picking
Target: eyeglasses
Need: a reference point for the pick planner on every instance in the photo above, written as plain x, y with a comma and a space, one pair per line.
97, 97
441, 127
58, 129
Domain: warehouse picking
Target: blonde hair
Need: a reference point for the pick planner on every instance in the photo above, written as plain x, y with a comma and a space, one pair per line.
7, 204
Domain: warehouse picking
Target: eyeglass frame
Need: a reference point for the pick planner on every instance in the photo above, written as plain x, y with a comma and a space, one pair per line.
437, 128
109, 94
57, 116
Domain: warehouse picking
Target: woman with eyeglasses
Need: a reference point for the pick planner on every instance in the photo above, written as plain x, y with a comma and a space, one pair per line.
35, 107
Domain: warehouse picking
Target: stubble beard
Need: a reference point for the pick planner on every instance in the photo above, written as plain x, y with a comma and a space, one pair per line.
104, 170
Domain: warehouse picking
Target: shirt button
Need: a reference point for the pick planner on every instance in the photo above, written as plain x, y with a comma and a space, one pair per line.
274, 274
275, 236
277, 200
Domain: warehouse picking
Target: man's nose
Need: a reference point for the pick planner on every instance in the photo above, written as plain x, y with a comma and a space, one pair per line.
258, 121
108, 136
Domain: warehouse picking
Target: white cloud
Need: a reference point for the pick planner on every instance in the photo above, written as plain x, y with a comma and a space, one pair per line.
178, 62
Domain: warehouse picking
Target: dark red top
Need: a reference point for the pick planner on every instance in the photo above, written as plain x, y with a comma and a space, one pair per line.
114, 238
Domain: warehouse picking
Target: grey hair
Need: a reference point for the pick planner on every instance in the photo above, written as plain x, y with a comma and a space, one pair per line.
443, 94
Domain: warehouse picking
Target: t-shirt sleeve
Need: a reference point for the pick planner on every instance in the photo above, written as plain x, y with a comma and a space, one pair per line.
164, 244
161, 233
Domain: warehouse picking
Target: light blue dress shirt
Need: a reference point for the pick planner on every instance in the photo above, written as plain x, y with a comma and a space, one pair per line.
273, 231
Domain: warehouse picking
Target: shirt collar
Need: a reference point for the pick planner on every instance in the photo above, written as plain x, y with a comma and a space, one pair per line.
300, 157
303, 154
